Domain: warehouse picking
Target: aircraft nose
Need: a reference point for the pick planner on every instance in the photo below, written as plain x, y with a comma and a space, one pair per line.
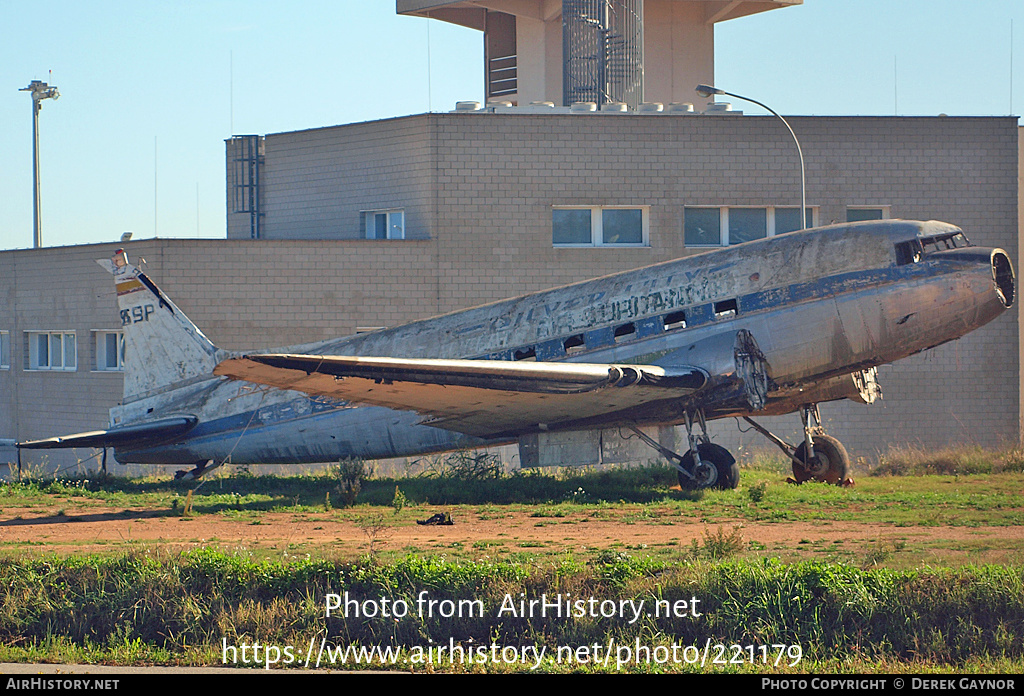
1002, 275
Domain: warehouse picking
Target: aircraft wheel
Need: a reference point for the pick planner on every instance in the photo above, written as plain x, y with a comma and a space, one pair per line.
718, 469
830, 463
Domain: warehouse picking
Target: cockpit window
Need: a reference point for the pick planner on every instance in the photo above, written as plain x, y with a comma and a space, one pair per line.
940, 242
910, 251
913, 250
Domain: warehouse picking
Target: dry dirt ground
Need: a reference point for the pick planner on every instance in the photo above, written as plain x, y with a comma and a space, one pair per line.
102, 528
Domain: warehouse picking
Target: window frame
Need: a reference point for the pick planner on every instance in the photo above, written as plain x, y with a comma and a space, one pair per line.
723, 222
597, 227
884, 209
5, 350
99, 342
370, 216
33, 351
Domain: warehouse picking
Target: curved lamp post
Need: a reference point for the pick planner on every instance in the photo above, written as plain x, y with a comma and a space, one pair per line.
708, 90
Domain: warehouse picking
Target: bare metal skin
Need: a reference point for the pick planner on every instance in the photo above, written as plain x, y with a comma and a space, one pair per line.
768, 327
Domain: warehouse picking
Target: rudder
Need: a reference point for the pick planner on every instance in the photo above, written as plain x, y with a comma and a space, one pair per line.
162, 346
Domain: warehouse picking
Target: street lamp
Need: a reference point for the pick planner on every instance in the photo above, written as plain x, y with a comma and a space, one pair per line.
40, 91
707, 91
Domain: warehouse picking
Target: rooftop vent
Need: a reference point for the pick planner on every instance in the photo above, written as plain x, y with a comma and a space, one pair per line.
680, 108
721, 108
651, 107
583, 106
468, 106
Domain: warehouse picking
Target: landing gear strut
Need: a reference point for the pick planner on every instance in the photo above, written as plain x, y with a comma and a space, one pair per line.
705, 465
819, 457
200, 469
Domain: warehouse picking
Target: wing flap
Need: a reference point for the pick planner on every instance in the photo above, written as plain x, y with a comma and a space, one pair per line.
485, 398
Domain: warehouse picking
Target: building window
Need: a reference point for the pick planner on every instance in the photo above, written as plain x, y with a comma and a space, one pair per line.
5, 350
52, 350
384, 224
599, 226
859, 213
109, 351
788, 219
722, 225
747, 224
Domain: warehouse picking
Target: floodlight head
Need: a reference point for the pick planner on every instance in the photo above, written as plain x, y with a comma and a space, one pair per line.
40, 91
707, 90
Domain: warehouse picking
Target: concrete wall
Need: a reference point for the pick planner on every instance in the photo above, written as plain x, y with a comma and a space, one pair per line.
679, 51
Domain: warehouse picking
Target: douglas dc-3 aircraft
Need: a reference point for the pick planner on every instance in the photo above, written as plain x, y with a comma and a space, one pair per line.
768, 327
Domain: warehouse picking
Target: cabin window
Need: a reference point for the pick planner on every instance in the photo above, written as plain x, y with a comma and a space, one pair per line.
675, 320
725, 309
574, 344
383, 224
860, 213
109, 350
625, 332
525, 354
724, 225
52, 350
615, 226
5, 350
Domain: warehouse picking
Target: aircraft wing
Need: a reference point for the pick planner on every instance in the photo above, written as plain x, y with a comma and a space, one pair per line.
136, 434
485, 398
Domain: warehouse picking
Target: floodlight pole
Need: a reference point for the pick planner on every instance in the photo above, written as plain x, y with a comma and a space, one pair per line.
708, 90
40, 91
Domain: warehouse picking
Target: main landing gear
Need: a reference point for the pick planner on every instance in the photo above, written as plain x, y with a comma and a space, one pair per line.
819, 457
705, 465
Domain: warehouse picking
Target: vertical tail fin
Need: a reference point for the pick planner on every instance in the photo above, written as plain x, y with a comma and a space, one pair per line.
162, 346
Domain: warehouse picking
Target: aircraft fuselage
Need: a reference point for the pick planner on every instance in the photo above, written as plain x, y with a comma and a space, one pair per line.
821, 304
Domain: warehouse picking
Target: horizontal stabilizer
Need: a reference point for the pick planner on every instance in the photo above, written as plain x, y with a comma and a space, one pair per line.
125, 436
485, 398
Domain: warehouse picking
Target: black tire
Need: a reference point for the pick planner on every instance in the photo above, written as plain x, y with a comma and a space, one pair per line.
726, 469
831, 463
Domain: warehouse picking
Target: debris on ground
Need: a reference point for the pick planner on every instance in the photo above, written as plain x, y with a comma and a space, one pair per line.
440, 518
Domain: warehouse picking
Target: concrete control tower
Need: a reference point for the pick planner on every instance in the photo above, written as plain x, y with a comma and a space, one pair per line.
602, 51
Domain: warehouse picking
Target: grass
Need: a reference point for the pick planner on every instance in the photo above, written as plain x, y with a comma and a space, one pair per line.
895, 506
902, 599
181, 608
957, 460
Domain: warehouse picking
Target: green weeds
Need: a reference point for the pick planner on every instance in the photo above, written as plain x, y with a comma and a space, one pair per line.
178, 608
718, 545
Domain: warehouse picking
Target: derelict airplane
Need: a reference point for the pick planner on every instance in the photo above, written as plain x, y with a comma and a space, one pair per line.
767, 327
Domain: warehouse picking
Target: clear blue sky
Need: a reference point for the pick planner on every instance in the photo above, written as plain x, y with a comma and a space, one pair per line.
186, 75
